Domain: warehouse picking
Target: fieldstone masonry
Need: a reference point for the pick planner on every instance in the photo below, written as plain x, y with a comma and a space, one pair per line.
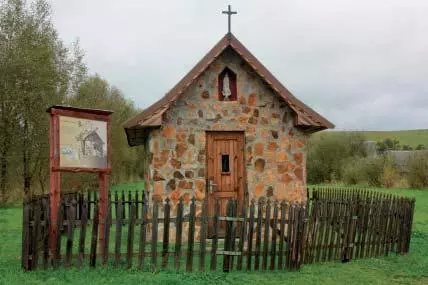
275, 151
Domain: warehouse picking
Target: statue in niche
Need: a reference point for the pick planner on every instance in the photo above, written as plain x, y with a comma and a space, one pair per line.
226, 88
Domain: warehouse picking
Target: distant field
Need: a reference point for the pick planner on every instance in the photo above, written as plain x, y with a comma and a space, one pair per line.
405, 137
410, 137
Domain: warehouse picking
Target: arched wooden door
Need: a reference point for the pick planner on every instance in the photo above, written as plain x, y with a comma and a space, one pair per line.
225, 172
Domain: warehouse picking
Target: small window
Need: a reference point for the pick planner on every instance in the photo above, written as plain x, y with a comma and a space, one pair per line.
225, 168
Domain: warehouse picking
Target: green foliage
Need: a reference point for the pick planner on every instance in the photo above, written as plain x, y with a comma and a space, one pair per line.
418, 170
37, 70
126, 161
327, 154
390, 176
364, 170
420, 147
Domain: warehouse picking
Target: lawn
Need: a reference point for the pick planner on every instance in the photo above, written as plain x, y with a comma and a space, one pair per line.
407, 269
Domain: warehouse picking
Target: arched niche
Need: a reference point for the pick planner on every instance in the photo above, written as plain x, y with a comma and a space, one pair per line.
225, 94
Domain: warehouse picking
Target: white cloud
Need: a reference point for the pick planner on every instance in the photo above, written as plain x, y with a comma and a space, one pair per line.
362, 64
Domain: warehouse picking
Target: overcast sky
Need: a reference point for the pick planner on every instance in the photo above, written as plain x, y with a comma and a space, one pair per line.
362, 64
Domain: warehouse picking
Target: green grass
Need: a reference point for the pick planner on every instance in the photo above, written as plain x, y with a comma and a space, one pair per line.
406, 269
407, 137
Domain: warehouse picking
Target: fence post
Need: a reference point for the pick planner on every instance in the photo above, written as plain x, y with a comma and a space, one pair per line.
216, 226
155, 220
191, 236
26, 238
165, 240
83, 224
178, 234
203, 235
93, 252
143, 232
228, 237
118, 241
250, 234
57, 253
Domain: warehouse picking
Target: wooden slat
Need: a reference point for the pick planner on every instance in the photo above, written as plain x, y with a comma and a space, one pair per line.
131, 230
282, 235
274, 235
258, 235
155, 223
57, 257
289, 249
143, 232
233, 233
118, 239
304, 234
216, 227
123, 205
93, 251
266, 235
250, 235
243, 232
228, 236
83, 225
178, 234
71, 214
203, 235
191, 236
46, 231
36, 234
165, 240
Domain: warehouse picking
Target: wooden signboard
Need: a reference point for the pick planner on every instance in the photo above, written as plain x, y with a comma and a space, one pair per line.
80, 141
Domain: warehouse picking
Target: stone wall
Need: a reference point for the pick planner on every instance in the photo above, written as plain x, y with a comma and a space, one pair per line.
275, 151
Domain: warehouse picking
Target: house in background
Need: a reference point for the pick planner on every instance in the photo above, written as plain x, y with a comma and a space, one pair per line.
229, 123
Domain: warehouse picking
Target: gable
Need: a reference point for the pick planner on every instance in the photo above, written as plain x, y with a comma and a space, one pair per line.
257, 106
305, 117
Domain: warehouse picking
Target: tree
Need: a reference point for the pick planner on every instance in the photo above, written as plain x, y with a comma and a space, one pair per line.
36, 70
94, 91
420, 147
406, 147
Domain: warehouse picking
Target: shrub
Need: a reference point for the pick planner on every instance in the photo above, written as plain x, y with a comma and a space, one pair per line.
328, 152
353, 172
368, 170
417, 176
373, 169
390, 176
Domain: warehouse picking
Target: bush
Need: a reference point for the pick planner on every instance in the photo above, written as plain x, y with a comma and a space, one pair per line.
417, 176
373, 168
373, 171
353, 172
390, 176
328, 152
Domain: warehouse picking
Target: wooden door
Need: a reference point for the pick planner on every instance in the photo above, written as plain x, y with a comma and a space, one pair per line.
225, 172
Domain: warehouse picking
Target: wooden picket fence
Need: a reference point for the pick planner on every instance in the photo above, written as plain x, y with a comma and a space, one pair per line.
266, 235
348, 224
334, 225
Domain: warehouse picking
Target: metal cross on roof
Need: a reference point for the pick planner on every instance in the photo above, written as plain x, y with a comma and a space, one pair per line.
229, 13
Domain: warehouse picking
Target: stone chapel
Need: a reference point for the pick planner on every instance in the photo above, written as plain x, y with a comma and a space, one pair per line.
228, 129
